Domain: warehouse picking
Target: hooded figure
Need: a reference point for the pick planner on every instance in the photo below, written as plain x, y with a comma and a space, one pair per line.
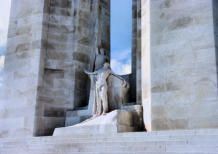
101, 88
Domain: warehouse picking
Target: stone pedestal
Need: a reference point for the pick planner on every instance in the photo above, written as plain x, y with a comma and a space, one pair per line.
77, 116
113, 122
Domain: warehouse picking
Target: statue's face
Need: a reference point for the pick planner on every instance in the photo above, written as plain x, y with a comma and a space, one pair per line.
102, 51
106, 65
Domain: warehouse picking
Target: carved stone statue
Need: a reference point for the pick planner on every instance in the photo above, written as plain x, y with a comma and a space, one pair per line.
100, 59
101, 88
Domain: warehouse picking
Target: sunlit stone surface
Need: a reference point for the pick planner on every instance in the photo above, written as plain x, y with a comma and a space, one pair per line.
52, 42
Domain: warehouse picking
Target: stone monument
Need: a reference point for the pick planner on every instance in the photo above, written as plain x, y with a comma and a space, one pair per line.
108, 115
173, 84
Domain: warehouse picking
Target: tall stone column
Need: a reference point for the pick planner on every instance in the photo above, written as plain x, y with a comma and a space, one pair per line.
76, 29
22, 66
182, 83
50, 43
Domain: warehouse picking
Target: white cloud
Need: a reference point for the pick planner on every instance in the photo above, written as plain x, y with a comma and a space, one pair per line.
1, 82
2, 60
4, 14
120, 68
121, 54
4, 20
3, 37
121, 61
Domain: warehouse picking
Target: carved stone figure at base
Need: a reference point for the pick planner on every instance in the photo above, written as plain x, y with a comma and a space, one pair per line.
101, 88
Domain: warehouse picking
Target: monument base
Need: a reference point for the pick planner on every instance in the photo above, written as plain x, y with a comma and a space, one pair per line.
204, 141
112, 122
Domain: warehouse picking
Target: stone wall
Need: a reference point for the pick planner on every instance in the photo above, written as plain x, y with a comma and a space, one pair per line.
21, 70
75, 29
215, 18
145, 63
135, 76
50, 43
183, 65
134, 48
138, 53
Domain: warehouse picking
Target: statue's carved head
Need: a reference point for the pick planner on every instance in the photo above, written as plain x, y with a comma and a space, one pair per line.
102, 51
106, 65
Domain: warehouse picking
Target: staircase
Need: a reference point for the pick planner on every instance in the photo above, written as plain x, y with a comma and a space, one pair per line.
203, 141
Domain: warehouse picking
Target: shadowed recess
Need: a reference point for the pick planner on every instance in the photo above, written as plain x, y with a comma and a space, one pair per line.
215, 21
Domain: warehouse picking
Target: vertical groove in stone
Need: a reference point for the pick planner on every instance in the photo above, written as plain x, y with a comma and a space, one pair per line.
135, 78
138, 54
215, 22
134, 48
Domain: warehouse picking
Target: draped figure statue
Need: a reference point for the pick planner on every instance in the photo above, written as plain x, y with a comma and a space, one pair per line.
101, 88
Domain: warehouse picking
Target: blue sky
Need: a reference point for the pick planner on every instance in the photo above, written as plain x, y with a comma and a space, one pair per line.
121, 27
121, 36
4, 20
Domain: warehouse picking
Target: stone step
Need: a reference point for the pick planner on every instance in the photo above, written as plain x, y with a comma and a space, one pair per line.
148, 139
68, 148
199, 141
153, 133
166, 142
213, 141
53, 145
142, 138
6, 152
30, 142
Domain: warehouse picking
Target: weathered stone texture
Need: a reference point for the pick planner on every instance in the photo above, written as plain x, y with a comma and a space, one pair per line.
50, 43
70, 44
113, 122
145, 63
157, 142
135, 76
215, 16
183, 65
18, 97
